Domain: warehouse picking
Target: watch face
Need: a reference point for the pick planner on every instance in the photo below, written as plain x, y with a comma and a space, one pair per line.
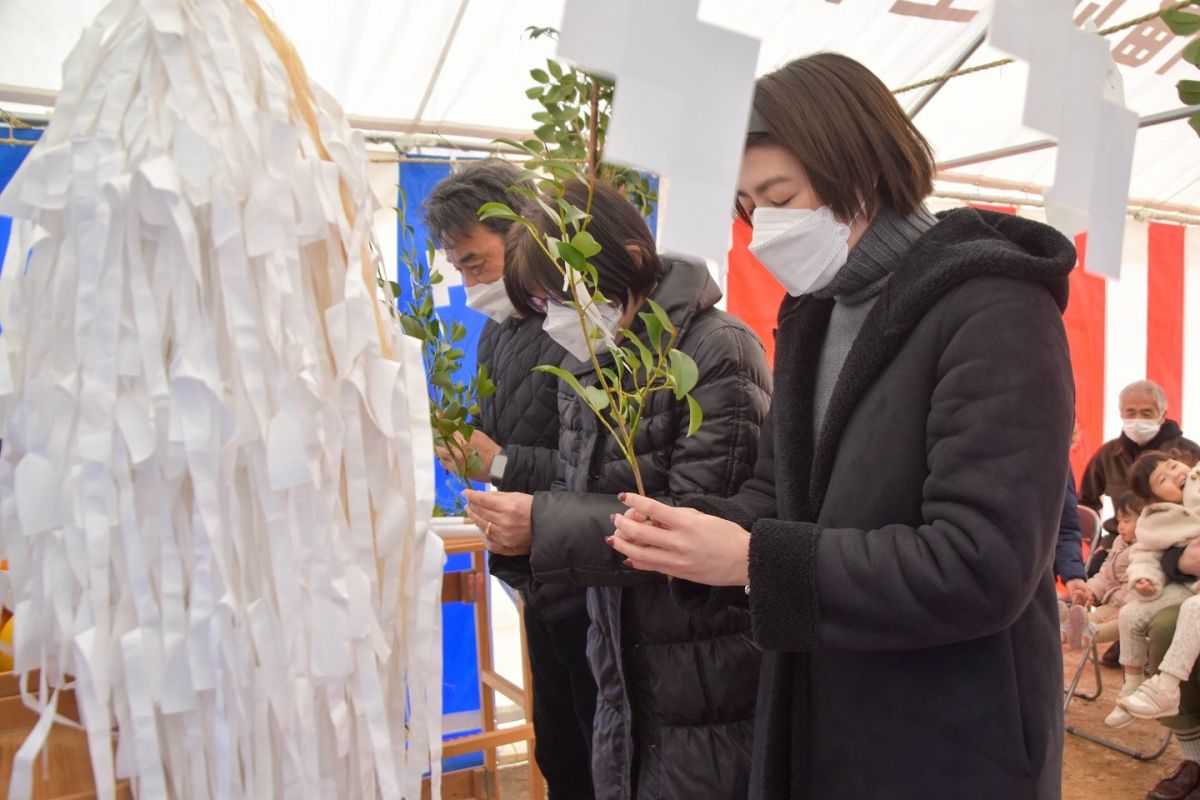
499, 462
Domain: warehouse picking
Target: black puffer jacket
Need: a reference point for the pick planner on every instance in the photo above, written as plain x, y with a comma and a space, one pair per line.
522, 417
676, 704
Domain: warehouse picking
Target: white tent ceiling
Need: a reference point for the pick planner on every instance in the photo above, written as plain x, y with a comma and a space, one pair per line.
383, 59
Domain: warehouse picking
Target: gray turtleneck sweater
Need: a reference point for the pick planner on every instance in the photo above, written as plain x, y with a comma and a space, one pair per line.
855, 289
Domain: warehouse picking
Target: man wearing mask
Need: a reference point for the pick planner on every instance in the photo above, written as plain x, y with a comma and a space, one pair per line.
517, 441
1145, 427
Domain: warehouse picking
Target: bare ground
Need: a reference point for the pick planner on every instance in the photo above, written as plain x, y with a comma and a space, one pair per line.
1090, 772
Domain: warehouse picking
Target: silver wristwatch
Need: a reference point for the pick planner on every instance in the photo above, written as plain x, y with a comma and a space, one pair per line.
496, 470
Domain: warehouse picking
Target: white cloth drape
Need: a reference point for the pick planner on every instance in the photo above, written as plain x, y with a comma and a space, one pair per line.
215, 482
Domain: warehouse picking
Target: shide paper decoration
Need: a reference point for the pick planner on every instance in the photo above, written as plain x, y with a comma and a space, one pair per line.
680, 109
1074, 94
214, 491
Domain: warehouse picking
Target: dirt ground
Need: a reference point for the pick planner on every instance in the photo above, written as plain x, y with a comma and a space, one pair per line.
1090, 772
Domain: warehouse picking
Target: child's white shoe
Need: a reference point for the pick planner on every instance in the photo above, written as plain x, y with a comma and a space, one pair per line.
1153, 699
1119, 717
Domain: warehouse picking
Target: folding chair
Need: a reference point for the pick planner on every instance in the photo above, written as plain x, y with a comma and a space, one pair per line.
1089, 520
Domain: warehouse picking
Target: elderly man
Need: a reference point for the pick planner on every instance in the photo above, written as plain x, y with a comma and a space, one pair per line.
1145, 427
517, 441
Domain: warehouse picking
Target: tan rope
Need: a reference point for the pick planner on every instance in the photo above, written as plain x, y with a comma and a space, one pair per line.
13, 123
993, 64
11, 119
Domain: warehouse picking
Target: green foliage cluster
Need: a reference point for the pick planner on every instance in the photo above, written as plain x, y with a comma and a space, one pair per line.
452, 403
567, 146
1187, 23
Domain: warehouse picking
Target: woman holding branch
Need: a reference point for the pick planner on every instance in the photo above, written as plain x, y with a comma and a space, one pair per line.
895, 545
677, 690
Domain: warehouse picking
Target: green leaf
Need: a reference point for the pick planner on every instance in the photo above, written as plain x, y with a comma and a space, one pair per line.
643, 351
1189, 92
457, 330
565, 377
534, 92
539, 75
663, 318
595, 398
531, 146
570, 216
1191, 53
544, 132
498, 211
695, 415
568, 253
1181, 22
630, 356
555, 68
442, 380
684, 372
585, 243
653, 329
1194, 121
411, 327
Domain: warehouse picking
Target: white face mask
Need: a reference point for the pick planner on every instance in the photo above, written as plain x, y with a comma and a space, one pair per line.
803, 248
1141, 430
562, 325
491, 299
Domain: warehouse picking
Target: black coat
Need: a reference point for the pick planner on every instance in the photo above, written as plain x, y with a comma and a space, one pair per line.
901, 567
522, 417
676, 704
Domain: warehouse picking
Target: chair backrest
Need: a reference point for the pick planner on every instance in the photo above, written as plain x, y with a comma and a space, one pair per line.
1089, 523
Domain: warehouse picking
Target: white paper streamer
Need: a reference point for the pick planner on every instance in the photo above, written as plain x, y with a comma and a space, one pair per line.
1074, 93
216, 480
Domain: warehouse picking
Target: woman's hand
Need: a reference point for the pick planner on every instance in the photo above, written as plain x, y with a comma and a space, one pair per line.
504, 518
681, 543
1143, 587
482, 444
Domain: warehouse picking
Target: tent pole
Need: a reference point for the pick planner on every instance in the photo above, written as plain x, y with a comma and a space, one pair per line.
954, 66
437, 69
1045, 144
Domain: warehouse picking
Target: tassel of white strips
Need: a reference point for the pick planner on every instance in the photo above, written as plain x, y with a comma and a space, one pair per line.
216, 477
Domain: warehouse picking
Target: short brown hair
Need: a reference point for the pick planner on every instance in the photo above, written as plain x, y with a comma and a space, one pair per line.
1129, 503
1143, 468
846, 129
616, 226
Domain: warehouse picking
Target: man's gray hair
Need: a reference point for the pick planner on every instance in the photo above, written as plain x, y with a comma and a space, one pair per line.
452, 208
1146, 389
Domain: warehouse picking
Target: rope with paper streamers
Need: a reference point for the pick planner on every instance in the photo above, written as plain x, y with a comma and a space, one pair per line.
302, 99
958, 73
217, 493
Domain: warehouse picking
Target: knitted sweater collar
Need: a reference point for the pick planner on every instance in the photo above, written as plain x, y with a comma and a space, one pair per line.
872, 261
